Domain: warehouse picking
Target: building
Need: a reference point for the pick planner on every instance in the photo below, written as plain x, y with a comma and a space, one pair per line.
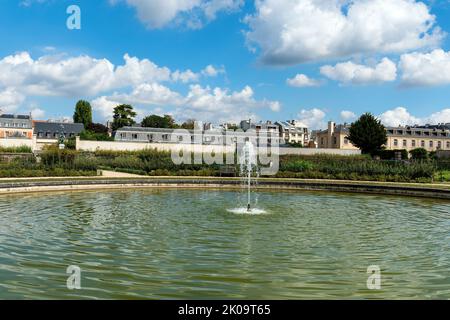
53, 130
267, 127
293, 131
335, 137
16, 126
431, 138
205, 137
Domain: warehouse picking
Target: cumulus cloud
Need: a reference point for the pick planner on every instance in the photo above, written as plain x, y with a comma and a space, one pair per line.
352, 73
313, 118
347, 115
401, 116
37, 113
295, 31
302, 80
193, 13
84, 76
425, 69
10, 99
205, 103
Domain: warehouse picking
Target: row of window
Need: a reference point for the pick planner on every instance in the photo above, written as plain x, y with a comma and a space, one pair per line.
166, 137
431, 144
14, 125
419, 133
50, 135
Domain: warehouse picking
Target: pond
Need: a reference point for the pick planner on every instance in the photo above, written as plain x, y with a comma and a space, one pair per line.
175, 244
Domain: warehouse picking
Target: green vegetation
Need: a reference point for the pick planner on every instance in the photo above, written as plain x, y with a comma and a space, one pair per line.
155, 121
123, 116
368, 134
419, 154
22, 149
83, 113
151, 162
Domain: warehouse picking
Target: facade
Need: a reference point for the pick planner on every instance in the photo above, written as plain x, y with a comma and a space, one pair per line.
335, 137
53, 130
293, 131
205, 137
16, 126
431, 138
268, 126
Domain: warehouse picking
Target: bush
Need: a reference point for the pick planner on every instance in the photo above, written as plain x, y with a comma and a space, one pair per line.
92, 136
21, 149
390, 154
419, 154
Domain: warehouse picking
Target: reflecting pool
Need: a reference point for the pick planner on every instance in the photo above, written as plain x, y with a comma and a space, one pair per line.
170, 244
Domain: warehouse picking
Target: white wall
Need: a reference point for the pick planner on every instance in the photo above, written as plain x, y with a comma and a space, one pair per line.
85, 145
15, 143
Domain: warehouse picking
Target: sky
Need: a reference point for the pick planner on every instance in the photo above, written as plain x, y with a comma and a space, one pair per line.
227, 60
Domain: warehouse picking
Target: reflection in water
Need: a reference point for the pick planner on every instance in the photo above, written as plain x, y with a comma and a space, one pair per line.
185, 244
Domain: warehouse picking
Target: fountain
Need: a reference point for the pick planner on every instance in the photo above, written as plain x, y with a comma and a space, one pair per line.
248, 164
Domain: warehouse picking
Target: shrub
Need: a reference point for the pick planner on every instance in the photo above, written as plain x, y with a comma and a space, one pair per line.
419, 154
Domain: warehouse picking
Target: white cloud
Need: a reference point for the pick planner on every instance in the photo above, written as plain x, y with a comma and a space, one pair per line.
84, 76
202, 103
351, 73
193, 13
401, 116
348, 115
313, 118
301, 80
211, 71
10, 99
425, 69
296, 31
37, 113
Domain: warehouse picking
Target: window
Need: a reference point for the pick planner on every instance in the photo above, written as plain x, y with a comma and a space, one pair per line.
321, 141
123, 135
431, 143
413, 143
448, 144
422, 143
405, 143
134, 136
334, 140
439, 145
345, 141
395, 142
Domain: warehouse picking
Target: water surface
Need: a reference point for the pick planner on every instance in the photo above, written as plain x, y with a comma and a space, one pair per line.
166, 244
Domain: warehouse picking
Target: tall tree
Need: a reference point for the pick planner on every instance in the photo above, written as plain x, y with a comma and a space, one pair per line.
123, 116
188, 124
155, 121
368, 134
83, 113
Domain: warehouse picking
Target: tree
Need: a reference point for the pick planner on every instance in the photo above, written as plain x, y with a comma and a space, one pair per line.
123, 116
97, 128
368, 134
419, 154
188, 124
83, 113
155, 121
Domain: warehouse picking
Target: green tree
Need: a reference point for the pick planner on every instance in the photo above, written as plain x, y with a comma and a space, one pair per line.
419, 154
83, 113
188, 124
368, 134
123, 116
155, 121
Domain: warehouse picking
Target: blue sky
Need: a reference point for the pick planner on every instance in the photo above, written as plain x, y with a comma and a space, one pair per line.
225, 60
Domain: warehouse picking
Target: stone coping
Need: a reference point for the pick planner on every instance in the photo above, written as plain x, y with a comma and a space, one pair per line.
437, 191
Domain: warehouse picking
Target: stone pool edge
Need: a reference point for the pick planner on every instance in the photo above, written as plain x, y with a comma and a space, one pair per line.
435, 191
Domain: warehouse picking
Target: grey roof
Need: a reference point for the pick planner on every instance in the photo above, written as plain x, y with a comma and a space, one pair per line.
53, 127
14, 116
